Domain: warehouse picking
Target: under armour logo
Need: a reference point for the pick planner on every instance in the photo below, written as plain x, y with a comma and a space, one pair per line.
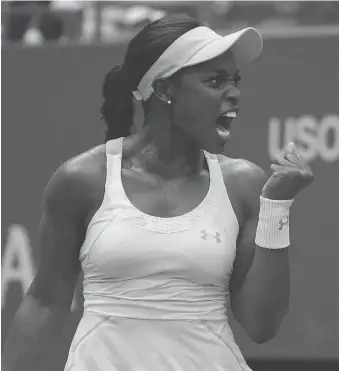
283, 222
216, 236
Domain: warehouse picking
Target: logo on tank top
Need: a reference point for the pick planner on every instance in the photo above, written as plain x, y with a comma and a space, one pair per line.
205, 235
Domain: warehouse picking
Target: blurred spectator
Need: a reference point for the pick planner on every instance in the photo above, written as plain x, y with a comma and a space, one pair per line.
34, 22
51, 26
316, 13
71, 15
137, 16
33, 37
21, 15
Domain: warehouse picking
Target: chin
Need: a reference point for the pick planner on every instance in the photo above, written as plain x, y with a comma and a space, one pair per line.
216, 147
209, 142
218, 151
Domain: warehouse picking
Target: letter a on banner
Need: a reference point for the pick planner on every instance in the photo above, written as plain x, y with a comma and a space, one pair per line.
17, 261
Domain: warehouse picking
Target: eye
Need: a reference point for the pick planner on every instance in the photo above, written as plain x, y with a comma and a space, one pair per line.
219, 81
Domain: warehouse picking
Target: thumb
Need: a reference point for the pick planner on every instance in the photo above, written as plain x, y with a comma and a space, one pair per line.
276, 168
291, 148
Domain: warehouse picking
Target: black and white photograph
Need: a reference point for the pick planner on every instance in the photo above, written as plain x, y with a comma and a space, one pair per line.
170, 177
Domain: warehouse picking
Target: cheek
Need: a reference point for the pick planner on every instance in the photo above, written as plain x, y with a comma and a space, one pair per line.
195, 105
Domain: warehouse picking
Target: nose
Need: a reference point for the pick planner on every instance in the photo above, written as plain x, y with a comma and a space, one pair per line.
233, 94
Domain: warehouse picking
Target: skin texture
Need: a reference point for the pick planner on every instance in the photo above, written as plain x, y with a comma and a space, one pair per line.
198, 95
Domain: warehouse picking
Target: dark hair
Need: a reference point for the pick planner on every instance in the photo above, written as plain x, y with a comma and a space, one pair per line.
142, 51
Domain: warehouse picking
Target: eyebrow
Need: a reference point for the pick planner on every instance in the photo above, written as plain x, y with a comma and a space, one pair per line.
225, 73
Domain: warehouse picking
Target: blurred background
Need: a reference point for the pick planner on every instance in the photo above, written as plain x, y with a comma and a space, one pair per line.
64, 22
54, 57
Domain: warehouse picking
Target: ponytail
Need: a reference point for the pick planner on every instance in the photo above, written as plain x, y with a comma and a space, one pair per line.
117, 108
142, 51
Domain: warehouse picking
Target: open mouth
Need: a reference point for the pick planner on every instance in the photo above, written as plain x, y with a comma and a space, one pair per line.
225, 119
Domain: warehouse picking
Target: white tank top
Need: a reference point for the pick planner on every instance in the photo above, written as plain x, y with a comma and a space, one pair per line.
156, 289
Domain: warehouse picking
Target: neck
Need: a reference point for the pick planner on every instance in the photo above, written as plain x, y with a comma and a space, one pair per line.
165, 150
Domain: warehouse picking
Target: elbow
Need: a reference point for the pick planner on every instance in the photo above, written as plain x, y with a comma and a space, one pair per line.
263, 333
261, 337
261, 326
261, 329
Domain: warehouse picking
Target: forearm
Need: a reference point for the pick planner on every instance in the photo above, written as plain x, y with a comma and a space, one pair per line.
33, 336
263, 300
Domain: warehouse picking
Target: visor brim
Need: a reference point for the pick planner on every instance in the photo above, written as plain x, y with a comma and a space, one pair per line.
245, 45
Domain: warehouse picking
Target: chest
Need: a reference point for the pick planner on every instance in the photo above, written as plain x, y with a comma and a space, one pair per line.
164, 198
202, 253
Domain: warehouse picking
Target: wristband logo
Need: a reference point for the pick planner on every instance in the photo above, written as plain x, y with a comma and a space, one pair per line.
314, 138
283, 222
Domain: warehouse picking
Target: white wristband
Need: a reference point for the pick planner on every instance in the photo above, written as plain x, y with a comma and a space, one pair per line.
273, 227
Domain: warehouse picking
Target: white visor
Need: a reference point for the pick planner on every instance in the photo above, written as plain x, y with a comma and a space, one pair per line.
197, 46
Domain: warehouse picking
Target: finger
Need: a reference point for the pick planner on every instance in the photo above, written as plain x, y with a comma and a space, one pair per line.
293, 159
293, 156
303, 163
280, 160
291, 148
307, 168
298, 160
283, 162
276, 168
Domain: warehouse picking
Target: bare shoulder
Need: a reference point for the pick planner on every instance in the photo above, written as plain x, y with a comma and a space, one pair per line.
78, 184
242, 169
69, 197
244, 181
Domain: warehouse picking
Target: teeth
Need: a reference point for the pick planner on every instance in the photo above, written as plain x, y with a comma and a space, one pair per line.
232, 114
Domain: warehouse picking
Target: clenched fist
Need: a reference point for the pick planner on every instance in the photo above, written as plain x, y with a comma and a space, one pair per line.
290, 175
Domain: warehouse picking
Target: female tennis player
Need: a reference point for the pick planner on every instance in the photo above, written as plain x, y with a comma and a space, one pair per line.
169, 233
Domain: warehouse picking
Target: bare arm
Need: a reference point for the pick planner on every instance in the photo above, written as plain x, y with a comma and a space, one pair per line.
260, 284
38, 323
